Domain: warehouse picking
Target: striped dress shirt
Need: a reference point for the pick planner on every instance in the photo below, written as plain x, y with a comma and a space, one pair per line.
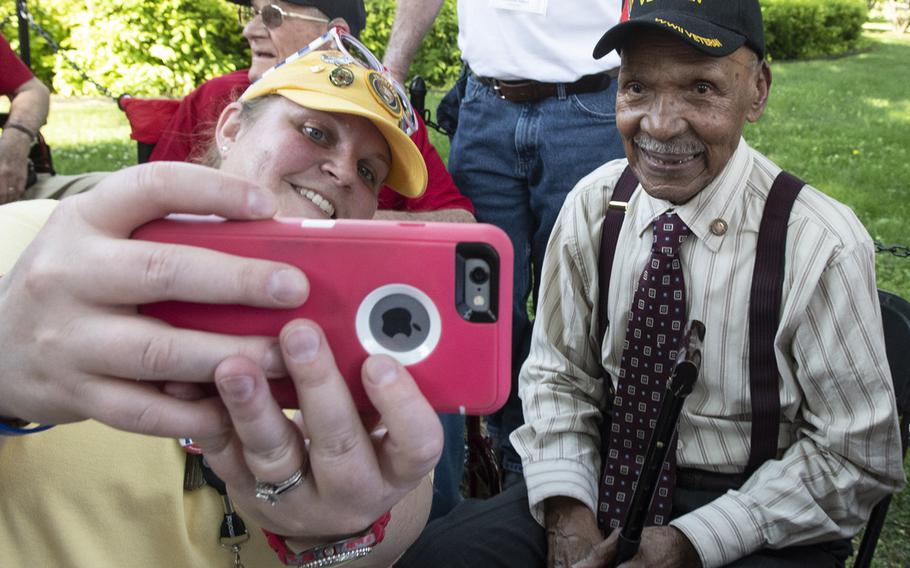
839, 445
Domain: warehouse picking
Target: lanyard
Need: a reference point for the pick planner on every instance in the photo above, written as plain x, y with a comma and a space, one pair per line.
197, 473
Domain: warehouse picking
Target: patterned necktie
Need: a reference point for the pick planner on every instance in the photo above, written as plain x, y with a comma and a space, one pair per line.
656, 321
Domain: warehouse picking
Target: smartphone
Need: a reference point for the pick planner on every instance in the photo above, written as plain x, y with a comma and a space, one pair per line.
435, 296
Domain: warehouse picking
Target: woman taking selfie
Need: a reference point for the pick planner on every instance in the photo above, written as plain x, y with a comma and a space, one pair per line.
315, 137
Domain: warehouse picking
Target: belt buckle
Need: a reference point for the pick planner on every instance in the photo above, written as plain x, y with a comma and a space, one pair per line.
497, 89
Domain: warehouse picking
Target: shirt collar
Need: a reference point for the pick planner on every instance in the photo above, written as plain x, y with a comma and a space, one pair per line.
718, 200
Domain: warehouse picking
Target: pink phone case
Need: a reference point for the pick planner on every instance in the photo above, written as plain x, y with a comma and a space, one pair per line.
434, 295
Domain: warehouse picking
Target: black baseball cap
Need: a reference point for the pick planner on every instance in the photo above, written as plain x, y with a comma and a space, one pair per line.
353, 11
715, 27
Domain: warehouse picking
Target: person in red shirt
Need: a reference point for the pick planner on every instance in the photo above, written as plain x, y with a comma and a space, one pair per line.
298, 22
29, 103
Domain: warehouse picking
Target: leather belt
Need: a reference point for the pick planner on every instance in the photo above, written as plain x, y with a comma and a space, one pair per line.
701, 480
530, 91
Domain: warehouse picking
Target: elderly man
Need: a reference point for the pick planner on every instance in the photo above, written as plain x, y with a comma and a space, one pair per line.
781, 472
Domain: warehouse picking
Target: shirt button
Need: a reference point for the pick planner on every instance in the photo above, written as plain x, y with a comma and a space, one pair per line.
718, 226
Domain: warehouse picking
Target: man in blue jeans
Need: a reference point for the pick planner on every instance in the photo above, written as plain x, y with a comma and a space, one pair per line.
536, 115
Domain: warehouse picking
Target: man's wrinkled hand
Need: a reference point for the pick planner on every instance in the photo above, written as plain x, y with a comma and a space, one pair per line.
572, 531
660, 546
13, 173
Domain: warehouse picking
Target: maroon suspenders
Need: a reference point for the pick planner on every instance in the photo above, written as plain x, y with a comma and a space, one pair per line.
764, 303
613, 218
764, 317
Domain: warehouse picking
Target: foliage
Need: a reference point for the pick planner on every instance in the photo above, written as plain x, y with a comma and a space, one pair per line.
798, 29
141, 47
438, 61
167, 47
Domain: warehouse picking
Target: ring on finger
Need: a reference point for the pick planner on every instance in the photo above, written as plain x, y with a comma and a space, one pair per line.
269, 492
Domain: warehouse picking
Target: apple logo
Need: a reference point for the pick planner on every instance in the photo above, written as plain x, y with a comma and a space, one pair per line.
398, 321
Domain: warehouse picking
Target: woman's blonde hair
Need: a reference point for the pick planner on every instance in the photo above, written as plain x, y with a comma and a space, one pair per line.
249, 112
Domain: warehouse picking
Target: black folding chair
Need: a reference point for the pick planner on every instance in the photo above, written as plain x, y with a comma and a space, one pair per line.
896, 320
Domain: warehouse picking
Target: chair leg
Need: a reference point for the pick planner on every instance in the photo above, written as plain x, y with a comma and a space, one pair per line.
483, 472
143, 152
866, 550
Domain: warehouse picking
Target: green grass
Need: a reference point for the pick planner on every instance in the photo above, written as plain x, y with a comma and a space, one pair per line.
842, 124
893, 549
88, 135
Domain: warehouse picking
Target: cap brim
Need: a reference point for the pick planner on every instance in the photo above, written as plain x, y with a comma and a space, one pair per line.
408, 172
704, 36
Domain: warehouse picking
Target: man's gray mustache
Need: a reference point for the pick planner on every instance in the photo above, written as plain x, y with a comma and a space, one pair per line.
675, 146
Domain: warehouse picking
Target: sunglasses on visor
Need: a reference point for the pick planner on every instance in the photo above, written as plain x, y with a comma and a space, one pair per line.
354, 52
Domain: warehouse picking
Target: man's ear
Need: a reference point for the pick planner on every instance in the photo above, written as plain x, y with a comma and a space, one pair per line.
339, 22
228, 128
762, 90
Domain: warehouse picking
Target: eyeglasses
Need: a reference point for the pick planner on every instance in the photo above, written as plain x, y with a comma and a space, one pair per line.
272, 16
392, 93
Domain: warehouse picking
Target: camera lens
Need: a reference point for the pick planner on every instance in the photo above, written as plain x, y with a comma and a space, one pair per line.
479, 275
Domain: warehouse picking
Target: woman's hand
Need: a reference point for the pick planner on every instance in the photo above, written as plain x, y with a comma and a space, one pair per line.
73, 345
351, 476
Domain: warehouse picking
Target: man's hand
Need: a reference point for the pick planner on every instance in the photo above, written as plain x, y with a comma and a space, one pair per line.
351, 475
28, 108
74, 346
572, 531
665, 546
14, 147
